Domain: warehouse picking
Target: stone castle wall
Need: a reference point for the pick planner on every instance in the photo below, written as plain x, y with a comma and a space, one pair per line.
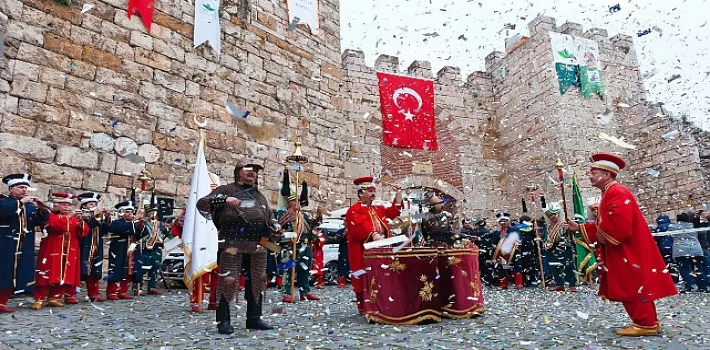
81, 94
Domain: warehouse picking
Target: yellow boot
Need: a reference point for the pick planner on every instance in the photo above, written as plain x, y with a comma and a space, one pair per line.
37, 305
54, 303
633, 331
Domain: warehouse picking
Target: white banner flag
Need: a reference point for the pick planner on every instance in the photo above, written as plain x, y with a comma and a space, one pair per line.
303, 11
199, 235
207, 23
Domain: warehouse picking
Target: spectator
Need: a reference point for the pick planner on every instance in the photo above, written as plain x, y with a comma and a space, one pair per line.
688, 253
665, 246
701, 220
343, 265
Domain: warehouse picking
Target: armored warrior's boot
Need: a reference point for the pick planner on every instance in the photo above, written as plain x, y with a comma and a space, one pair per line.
254, 303
224, 319
254, 320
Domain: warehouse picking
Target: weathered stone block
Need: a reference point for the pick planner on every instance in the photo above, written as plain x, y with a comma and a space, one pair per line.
102, 142
29, 147
150, 153
28, 89
101, 58
120, 181
170, 81
128, 167
108, 162
56, 175
77, 157
94, 180
125, 146
169, 50
138, 38
58, 134
152, 59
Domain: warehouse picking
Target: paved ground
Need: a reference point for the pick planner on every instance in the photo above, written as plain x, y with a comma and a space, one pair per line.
528, 319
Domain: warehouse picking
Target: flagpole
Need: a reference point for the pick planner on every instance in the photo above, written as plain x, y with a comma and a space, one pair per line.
294, 242
198, 287
559, 165
296, 158
531, 188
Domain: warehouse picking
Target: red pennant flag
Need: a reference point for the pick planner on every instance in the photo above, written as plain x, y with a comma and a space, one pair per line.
407, 112
144, 8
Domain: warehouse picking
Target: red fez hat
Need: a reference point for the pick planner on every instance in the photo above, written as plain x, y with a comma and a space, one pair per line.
608, 162
364, 182
63, 197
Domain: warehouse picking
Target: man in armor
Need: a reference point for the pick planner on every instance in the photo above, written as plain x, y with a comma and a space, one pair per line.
437, 224
242, 216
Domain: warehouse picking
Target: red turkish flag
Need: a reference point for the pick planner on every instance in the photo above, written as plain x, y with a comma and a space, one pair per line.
407, 112
144, 8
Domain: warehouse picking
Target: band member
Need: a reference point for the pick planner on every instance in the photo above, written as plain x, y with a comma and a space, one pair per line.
293, 220
58, 261
92, 246
243, 217
364, 223
317, 244
485, 250
123, 259
559, 247
20, 214
437, 224
152, 252
631, 269
529, 252
507, 258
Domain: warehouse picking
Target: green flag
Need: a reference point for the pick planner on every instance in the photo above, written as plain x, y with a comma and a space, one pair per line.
577, 64
586, 261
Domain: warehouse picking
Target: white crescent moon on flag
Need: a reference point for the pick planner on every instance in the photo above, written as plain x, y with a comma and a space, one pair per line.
407, 91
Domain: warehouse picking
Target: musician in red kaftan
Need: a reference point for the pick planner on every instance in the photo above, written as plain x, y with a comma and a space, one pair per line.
58, 263
365, 223
631, 268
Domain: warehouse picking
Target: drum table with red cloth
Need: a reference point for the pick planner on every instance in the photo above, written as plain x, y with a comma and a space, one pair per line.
460, 282
402, 287
421, 284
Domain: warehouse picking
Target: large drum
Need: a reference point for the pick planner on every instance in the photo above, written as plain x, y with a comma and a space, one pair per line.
402, 287
460, 282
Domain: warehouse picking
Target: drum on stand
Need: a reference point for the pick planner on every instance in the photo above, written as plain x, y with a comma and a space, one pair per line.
460, 282
402, 287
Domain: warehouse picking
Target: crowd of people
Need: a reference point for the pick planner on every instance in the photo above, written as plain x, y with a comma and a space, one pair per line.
552, 251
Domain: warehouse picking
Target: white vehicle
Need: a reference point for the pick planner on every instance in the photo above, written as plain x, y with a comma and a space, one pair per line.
173, 264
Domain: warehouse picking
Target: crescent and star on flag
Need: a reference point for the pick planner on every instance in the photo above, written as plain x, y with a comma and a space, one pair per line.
408, 115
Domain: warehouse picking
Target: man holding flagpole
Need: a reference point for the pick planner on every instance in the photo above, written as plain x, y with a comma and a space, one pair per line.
633, 271
243, 216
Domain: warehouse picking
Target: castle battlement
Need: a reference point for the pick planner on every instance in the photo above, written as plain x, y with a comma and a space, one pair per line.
354, 60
